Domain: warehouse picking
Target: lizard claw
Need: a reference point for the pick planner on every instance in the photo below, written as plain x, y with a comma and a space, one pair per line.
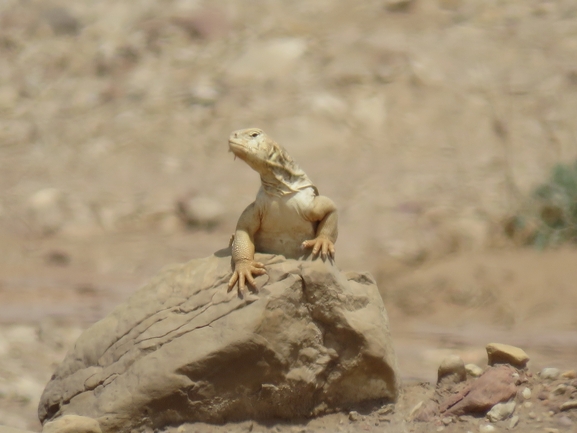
243, 273
321, 244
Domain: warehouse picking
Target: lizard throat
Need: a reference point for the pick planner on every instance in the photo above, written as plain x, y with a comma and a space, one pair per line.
278, 186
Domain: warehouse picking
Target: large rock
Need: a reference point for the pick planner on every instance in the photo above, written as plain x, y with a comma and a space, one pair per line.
182, 349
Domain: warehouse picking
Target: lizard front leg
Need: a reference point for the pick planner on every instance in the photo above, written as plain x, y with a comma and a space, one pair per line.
324, 212
243, 251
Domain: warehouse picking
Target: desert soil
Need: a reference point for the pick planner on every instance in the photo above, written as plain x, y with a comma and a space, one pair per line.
428, 122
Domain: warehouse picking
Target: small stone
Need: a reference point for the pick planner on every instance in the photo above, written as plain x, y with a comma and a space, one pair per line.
486, 428
473, 370
440, 428
200, 211
208, 24
568, 405
501, 411
447, 420
559, 389
354, 415
452, 370
549, 373
569, 374
532, 415
526, 393
62, 21
48, 209
57, 258
415, 410
505, 354
398, 5
551, 430
514, 421
565, 421
543, 395
527, 404
389, 408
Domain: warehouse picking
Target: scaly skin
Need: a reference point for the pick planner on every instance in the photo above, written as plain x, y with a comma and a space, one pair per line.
288, 215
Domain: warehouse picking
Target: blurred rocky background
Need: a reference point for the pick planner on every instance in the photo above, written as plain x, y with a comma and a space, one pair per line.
443, 129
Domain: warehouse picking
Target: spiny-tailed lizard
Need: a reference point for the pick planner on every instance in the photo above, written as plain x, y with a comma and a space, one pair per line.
288, 215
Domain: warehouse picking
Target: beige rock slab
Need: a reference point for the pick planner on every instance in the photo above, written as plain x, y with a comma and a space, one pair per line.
505, 354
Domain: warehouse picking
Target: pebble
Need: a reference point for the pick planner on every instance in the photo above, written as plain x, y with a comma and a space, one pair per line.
398, 5
559, 389
62, 21
565, 421
505, 354
486, 428
200, 211
527, 404
550, 373
514, 421
501, 411
526, 393
354, 415
569, 374
568, 405
48, 210
452, 370
473, 370
551, 430
389, 408
447, 420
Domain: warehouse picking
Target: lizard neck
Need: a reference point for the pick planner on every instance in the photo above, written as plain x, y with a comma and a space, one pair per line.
280, 182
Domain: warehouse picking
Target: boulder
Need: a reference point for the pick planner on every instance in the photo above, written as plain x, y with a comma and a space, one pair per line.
183, 349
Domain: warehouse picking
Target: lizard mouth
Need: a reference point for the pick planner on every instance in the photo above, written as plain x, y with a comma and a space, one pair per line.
237, 149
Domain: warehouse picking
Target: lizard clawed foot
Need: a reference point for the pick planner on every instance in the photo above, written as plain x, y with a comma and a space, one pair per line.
243, 273
321, 244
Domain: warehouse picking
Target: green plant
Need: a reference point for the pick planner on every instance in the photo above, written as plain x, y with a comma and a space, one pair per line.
556, 207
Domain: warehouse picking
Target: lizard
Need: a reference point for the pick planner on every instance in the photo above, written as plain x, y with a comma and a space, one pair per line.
288, 215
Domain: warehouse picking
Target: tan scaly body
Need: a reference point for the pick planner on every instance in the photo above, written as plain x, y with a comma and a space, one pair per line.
288, 215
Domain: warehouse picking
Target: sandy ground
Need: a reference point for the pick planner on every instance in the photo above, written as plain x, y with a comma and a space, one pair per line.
428, 122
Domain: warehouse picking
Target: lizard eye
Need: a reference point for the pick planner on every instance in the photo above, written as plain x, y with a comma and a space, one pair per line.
255, 134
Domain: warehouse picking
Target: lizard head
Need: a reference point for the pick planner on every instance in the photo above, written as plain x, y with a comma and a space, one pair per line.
279, 173
258, 150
